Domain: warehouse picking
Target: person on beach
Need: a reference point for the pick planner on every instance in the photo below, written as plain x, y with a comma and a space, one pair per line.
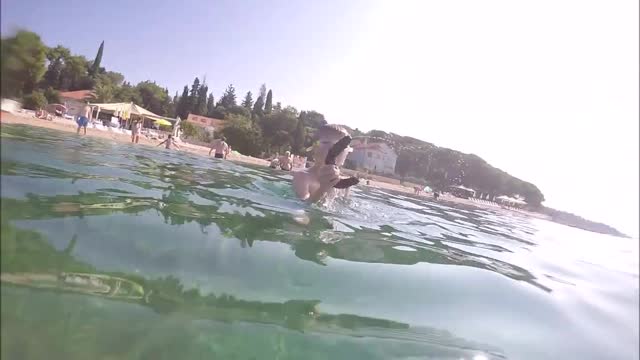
169, 143
220, 147
314, 183
83, 119
136, 131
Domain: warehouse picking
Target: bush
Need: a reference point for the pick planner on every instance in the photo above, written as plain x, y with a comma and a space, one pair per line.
243, 135
53, 96
34, 101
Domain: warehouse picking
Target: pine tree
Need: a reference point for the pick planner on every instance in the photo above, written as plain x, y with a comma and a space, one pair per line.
181, 108
268, 103
210, 105
192, 97
228, 99
248, 101
201, 108
95, 67
175, 98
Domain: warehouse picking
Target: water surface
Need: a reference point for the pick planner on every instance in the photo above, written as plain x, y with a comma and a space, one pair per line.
115, 251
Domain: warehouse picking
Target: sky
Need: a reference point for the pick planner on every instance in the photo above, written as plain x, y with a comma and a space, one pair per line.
545, 90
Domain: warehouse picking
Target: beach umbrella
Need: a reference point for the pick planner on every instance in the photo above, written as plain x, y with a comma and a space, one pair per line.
163, 122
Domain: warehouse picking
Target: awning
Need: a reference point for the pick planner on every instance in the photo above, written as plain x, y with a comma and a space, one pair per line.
125, 109
163, 122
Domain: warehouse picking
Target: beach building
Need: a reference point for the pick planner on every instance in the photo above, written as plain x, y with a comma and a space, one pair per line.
375, 157
211, 124
74, 101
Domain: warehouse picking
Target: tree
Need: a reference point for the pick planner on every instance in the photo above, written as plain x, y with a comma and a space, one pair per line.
95, 67
247, 103
192, 99
34, 101
210, 105
153, 97
268, 103
201, 107
299, 137
313, 119
52, 96
22, 63
277, 127
258, 106
243, 135
56, 57
228, 99
74, 75
181, 106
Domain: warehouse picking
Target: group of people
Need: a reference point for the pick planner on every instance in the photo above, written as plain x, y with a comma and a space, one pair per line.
287, 161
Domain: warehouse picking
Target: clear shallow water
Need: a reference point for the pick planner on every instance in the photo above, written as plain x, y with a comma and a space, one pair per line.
111, 251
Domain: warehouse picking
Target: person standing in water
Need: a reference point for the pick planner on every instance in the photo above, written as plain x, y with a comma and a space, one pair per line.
135, 132
83, 119
169, 143
220, 147
314, 183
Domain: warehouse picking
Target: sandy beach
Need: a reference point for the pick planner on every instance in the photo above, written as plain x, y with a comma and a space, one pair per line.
379, 182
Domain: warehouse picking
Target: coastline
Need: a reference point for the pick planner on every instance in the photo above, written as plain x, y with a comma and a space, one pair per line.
69, 126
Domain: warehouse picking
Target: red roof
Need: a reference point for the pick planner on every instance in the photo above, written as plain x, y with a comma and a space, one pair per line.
78, 94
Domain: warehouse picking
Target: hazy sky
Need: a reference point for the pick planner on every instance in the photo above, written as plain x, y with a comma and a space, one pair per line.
546, 90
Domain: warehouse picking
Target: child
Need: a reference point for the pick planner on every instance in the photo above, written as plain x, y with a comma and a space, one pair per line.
169, 143
135, 132
315, 182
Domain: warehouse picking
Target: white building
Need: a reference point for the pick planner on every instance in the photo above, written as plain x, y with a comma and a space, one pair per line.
375, 157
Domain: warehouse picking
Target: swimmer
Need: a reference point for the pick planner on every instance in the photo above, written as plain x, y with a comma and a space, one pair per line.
169, 143
314, 183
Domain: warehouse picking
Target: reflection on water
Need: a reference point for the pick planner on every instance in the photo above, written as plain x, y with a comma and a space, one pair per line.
129, 252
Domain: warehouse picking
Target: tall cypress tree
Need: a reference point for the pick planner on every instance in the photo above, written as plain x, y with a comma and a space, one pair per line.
181, 108
192, 97
247, 103
96, 63
201, 108
268, 103
210, 105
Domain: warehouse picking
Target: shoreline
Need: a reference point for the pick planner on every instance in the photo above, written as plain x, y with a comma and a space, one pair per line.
69, 126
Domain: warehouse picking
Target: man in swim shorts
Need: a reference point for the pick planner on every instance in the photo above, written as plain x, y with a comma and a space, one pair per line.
314, 183
220, 147
83, 119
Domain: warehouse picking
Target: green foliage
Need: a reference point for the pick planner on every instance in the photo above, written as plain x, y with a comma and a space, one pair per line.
243, 135
268, 103
299, 137
188, 129
95, 66
210, 105
247, 103
34, 101
182, 109
153, 97
228, 99
313, 119
22, 63
53, 96
201, 103
277, 127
